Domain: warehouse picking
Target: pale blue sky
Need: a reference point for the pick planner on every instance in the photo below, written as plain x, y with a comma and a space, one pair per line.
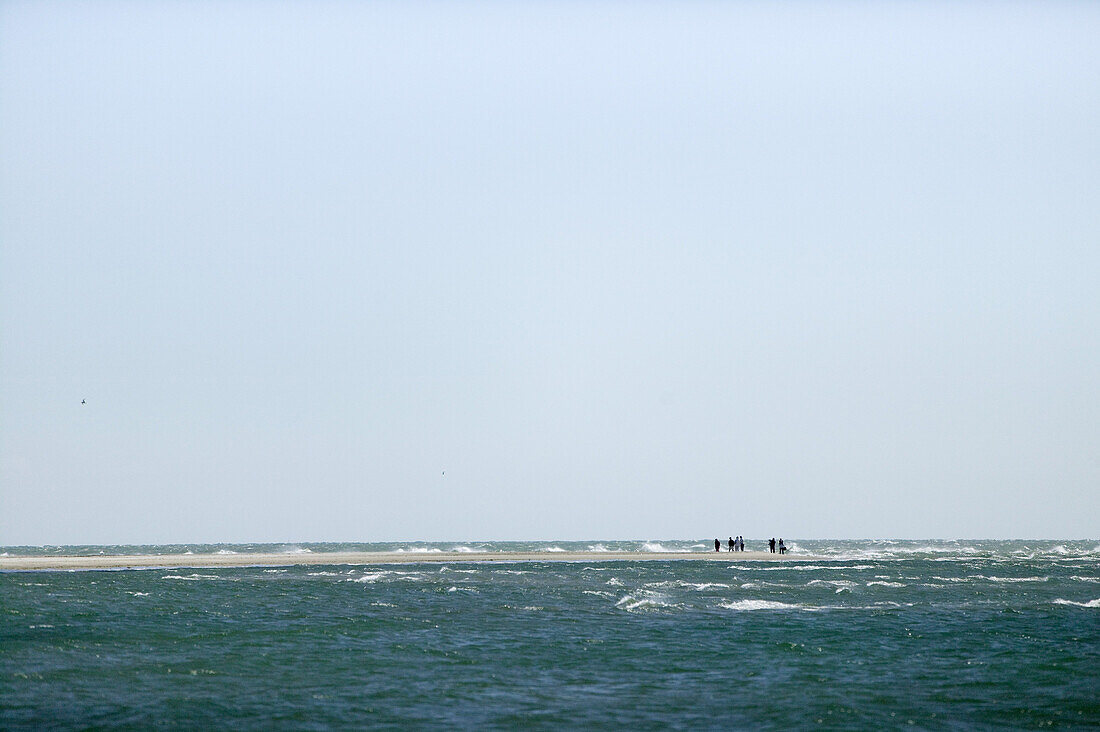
622, 270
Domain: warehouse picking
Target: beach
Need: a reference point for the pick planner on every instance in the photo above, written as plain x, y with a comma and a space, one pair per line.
167, 561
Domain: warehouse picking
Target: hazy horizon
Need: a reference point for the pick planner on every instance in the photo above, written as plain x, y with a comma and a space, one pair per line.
573, 270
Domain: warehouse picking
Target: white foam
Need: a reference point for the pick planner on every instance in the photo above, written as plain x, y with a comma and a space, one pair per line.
1080, 578
296, 550
552, 549
883, 583
191, 577
597, 548
643, 600
418, 550
1090, 603
1011, 579
225, 551
741, 605
371, 576
323, 574
462, 549
653, 546
841, 584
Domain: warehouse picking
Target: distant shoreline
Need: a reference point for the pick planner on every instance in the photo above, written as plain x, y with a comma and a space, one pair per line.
178, 561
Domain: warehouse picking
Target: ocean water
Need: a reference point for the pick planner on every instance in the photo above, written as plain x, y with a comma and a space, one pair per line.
931, 635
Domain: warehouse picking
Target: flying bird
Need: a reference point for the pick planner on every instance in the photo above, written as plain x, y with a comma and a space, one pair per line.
83, 402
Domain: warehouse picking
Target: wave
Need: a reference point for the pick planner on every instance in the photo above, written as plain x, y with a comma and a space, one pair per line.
644, 600
462, 549
657, 547
842, 584
191, 577
225, 551
296, 550
597, 548
552, 549
883, 583
1090, 603
741, 605
1010, 579
418, 550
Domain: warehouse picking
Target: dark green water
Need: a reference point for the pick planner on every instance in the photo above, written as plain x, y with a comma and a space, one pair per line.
949, 635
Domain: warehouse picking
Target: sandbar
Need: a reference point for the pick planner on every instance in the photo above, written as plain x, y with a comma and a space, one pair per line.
139, 561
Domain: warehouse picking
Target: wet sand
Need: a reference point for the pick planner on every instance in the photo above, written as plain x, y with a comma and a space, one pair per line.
137, 561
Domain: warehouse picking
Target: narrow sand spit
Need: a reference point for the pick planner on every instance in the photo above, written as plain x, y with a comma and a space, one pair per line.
100, 561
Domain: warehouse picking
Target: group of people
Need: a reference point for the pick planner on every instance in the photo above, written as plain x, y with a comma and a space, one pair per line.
738, 545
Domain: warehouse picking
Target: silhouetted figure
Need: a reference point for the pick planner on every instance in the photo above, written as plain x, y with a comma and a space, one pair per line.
83, 402
717, 545
771, 545
740, 543
732, 544
782, 547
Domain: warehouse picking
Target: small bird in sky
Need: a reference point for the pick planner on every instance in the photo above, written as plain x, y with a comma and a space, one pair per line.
83, 402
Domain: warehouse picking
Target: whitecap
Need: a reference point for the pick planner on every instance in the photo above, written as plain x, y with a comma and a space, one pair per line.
1080, 578
700, 586
552, 549
643, 600
597, 548
1090, 603
191, 577
418, 550
760, 605
296, 550
842, 584
883, 583
656, 547
323, 574
225, 551
462, 549
1011, 579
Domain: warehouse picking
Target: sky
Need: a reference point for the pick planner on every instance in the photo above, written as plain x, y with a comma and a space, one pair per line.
372, 271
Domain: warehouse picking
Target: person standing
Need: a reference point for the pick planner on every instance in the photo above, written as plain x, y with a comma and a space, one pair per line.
771, 545
732, 544
717, 545
782, 547
741, 543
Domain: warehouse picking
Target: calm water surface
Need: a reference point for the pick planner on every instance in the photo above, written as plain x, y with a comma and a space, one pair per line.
877, 634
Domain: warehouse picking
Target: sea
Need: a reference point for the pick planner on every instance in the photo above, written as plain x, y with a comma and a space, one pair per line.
862, 635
